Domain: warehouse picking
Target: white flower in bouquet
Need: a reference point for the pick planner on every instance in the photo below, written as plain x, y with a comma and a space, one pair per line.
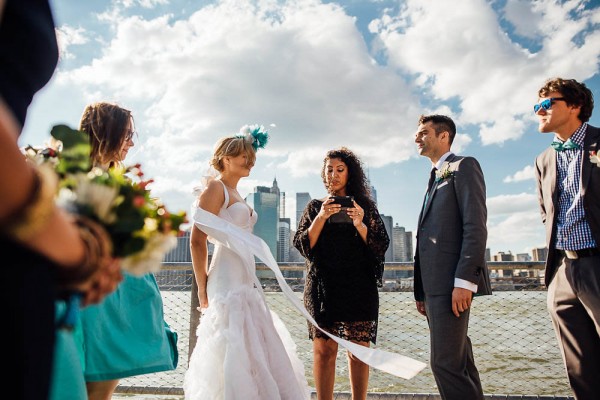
100, 198
150, 258
142, 230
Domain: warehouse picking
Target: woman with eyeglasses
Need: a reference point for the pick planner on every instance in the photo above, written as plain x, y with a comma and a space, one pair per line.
126, 334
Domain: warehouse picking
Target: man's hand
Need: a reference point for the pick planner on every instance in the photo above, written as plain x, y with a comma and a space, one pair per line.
421, 308
461, 300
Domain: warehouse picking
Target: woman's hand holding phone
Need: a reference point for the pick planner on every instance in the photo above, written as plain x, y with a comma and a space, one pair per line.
328, 208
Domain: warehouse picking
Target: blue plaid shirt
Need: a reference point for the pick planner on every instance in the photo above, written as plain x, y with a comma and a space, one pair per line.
572, 230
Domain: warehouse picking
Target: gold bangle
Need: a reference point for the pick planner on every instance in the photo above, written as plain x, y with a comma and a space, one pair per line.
35, 213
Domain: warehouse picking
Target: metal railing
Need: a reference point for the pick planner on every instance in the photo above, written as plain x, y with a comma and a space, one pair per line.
513, 341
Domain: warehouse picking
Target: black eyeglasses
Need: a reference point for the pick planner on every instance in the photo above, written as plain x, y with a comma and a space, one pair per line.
546, 104
129, 135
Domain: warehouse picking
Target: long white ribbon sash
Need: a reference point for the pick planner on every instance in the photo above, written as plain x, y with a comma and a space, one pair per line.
248, 245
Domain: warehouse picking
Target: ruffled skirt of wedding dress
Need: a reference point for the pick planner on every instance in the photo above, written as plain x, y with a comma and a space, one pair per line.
244, 351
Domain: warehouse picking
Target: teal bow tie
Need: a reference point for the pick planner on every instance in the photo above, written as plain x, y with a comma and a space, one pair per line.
569, 144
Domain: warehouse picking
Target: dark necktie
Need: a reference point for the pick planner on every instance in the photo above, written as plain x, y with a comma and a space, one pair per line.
431, 178
560, 146
430, 184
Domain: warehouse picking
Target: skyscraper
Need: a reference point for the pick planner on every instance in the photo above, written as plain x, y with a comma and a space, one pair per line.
388, 222
402, 243
302, 199
265, 201
283, 240
373, 190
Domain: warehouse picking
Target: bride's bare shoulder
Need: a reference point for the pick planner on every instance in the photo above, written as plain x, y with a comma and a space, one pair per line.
213, 196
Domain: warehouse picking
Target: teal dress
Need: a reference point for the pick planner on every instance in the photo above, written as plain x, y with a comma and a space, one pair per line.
67, 382
126, 334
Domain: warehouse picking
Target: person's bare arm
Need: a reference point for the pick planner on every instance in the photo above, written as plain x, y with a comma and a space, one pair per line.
210, 200
57, 238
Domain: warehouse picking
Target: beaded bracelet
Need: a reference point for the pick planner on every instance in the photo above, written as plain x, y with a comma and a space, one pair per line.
34, 214
98, 248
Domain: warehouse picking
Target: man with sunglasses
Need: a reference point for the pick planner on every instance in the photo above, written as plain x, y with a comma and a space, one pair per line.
568, 184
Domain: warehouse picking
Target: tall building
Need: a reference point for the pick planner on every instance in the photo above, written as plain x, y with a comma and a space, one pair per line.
275, 187
539, 253
373, 190
302, 199
488, 254
402, 244
283, 240
295, 255
522, 257
265, 201
388, 222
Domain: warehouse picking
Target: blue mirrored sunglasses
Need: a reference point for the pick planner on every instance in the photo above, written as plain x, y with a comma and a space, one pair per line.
546, 104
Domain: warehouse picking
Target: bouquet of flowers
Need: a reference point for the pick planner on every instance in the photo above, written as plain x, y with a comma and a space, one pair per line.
141, 228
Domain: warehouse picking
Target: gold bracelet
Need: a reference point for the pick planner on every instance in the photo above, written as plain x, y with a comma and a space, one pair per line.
35, 213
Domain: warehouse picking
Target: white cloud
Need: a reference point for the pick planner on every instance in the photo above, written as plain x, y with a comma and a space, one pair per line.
525, 174
302, 65
142, 3
305, 67
470, 58
520, 14
512, 203
519, 232
514, 223
68, 36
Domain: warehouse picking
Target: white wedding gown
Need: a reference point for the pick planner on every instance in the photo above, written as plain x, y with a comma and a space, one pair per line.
243, 349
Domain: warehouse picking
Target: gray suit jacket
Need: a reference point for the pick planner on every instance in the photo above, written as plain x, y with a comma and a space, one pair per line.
545, 172
452, 232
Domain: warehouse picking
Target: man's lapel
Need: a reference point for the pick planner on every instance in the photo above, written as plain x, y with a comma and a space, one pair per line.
445, 166
590, 144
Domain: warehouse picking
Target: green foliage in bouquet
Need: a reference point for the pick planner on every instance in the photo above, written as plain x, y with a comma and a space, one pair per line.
141, 228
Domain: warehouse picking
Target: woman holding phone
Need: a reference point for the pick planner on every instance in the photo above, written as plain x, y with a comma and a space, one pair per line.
344, 241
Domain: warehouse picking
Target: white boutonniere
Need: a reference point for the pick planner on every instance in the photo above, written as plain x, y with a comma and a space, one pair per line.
443, 174
594, 158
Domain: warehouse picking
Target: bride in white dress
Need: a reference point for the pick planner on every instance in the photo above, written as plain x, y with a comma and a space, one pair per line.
243, 350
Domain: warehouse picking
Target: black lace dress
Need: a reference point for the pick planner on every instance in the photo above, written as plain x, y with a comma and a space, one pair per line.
343, 274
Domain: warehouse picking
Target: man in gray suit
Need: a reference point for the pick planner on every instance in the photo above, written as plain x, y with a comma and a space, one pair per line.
450, 265
568, 183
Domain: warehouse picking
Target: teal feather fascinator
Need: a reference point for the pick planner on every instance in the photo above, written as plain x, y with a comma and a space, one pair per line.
256, 134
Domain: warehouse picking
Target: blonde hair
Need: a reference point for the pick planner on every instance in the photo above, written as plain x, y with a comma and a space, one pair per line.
232, 146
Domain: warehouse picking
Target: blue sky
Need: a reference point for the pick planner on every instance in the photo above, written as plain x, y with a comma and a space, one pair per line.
327, 74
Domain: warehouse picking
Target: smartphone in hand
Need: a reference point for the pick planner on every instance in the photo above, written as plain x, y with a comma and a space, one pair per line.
344, 201
342, 216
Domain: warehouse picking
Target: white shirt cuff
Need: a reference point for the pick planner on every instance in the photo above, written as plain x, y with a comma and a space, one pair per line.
461, 283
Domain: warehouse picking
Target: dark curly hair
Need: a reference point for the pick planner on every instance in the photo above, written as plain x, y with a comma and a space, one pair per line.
357, 180
575, 94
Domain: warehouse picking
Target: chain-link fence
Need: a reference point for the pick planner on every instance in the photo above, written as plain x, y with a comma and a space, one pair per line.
514, 345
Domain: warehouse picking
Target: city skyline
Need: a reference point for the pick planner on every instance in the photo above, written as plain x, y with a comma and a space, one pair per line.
324, 74
278, 232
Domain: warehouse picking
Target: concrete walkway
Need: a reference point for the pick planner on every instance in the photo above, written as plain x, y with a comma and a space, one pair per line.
177, 395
